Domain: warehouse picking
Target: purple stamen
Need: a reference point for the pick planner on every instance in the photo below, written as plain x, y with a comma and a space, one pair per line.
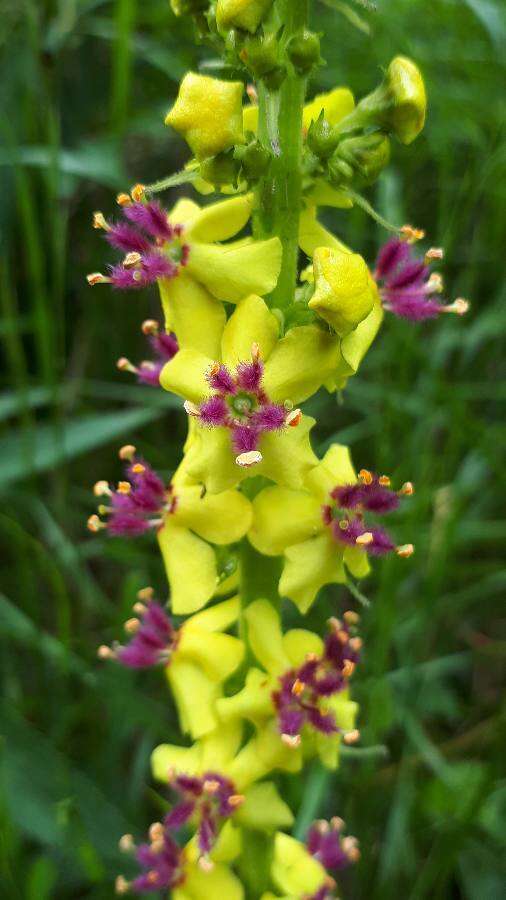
208, 799
152, 218
406, 289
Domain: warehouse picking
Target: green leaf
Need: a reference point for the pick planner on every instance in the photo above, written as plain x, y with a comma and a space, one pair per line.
350, 14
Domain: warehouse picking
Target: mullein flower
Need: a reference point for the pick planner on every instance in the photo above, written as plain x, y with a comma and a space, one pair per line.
208, 114
163, 344
197, 655
243, 401
408, 289
245, 14
193, 268
167, 866
345, 293
323, 531
186, 521
303, 690
302, 871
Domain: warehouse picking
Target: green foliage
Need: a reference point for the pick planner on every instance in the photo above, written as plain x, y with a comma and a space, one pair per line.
85, 84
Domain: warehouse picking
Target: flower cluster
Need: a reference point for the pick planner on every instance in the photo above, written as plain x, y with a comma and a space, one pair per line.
252, 516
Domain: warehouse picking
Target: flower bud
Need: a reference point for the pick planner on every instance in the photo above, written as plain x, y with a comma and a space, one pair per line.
399, 104
254, 159
303, 51
245, 14
368, 154
261, 56
343, 294
208, 114
220, 169
321, 139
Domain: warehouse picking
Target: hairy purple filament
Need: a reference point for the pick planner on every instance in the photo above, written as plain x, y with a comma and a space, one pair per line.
298, 700
154, 638
335, 852
344, 515
210, 799
138, 505
241, 405
407, 287
161, 861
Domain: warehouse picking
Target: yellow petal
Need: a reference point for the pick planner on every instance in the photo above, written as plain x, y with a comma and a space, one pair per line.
245, 14
335, 104
265, 636
356, 560
195, 694
253, 702
336, 468
228, 845
185, 375
322, 194
216, 618
343, 296
264, 809
355, 345
251, 322
219, 518
261, 755
219, 747
282, 517
193, 314
232, 272
208, 113
168, 757
287, 455
211, 461
294, 870
300, 363
220, 221
216, 884
218, 655
308, 567
250, 118
313, 235
184, 212
190, 564
298, 643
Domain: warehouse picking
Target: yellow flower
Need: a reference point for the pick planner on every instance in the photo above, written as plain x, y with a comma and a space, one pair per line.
194, 522
294, 871
246, 14
344, 293
407, 105
208, 113
292, 523
286, 692
243, 399
354, 344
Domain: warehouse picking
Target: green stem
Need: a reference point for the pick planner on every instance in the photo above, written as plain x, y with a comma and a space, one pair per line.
280, 131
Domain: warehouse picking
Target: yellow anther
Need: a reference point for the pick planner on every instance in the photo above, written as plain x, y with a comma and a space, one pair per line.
99, 221
411, 234
132, 625
291, 740
435, 283
102, 489
348, 668
384, 480
298, 687
155, 831
365, 476
97, 278
459, 307
364, 539
152, 876
191, 408
123, 199
434, 253
126, 843
131, 260
150, 326
137, 192
408, 489
356, 643
139, 608
337, 823
127, 452
351, 737
206, 864
124, 487
138, 469
105, 652
94, 524
251, 458
124, 365
121, 886
211, 786
252, 93
405, 550
294, 418
146, 593
255, 351
236, 800
214, 369
344, 524
351, 617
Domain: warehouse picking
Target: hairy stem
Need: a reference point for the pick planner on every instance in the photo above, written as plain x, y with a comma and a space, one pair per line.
280, 131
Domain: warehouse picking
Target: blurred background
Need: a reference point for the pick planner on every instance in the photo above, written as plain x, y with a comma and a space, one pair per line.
84, 85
